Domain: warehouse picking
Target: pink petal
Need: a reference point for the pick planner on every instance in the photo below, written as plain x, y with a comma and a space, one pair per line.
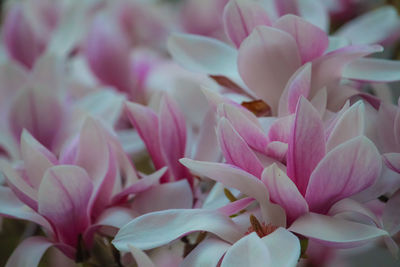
249, 129
21, 188
14, 208
241, 180
305, 34
64, 200
314, 12
346, 170
267, 59
141, 185
241, 17
392, 160
20, 39
284, 192
37, 159
235, 149
373, 70
286, 7
280, 129
386, 120
248, 251
29, 252
38, 110
350, 124
207, 253
146, 123
236, 206
172, 134
277, 150
107, 51
161, 227
319, 101
306, 144
334, 232
328, 68
298, 85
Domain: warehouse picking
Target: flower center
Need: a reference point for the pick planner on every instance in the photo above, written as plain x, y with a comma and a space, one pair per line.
261, 229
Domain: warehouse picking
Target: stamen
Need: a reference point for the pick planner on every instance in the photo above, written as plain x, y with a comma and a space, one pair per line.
261, 229
229, 195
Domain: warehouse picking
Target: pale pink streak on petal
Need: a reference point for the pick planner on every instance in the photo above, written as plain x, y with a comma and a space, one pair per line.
64, 200
248, 251
346, 170
37, 159
306, 144
235, 149
158, 228
236, 206
280, 129
267, 59
392, 160
284, 192
146, 123
311, 40
334, 232
241, 17
298, 85
277, 150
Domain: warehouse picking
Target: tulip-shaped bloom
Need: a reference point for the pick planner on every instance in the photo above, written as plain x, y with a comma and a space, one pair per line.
322, 168
87, 187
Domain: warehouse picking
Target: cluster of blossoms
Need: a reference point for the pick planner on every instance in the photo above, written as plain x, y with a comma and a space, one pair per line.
199, 132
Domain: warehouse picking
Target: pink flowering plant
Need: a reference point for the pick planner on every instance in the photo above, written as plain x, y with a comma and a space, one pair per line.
199, 133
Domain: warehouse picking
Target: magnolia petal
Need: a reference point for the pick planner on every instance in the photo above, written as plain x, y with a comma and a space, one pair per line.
172, 134
381, 24
392, 160
29, 252
202, 54
241, 17
350, 124
314, 12
305, 34
373, 70
107, 52
346, 170
306, 144
64, 200
246, 183
158, 228
235, 149
37, 159
298, 85
207, 144
21, 188
207, 253
320, 101
280, 129
248, 251
277, 150
142, 260
174, 195
391, 214
236, 206
282, 238
13, 207
249, 129
335, 232
328, 68
266, 60
284, 192
141, 185
146, 123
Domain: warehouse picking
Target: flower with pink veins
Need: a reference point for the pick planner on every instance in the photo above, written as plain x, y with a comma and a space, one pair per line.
72, 196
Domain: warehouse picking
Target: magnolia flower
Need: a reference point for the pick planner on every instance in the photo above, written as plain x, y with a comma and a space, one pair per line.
82, 190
